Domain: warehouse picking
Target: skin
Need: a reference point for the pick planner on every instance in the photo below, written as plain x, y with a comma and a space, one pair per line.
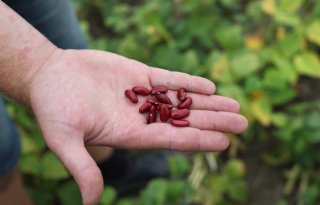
78, 99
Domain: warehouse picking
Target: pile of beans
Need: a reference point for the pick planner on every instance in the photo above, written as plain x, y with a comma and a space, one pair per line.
161, 103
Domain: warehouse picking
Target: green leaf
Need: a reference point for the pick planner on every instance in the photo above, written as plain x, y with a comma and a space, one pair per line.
167, 57
179, 165
252, 83
289, 45
235, 168
281, 96
313, 136
313, 32
313, 119
191, 62
51, 167
282, 202
262, 110
32, 141
231, 3
28, 145
254, 10
220, 68
279, 119
271, 76
119, 18
109, 196
155, 193
177, 189
24, 119
130, 48
244, 63
287, 19
30, 164
124, 201
238, 191
220, 184
284, 66
308, 64
69, 194
311, 195
41, 196
229, 36
290, 5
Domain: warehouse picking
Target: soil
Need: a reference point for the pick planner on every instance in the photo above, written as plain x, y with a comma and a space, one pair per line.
266, 183
309, 89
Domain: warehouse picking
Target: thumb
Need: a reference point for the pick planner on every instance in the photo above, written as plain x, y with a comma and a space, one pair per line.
72, 152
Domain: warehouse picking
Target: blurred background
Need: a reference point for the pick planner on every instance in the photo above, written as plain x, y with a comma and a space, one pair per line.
264, 53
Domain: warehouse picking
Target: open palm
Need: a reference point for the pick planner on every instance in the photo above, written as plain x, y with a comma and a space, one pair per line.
78, 99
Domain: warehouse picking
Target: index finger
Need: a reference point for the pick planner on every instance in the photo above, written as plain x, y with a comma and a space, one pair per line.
175, 80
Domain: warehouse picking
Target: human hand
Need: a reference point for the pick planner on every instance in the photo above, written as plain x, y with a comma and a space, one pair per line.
78, 99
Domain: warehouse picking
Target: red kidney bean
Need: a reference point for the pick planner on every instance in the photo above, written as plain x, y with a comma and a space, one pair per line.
180, 123
185, 104
141, 90
181, 94
158, 106
152, 101
131, 95
178, 114
145, 107
169, 106
164, 113
159, 89
152, 114
163, 98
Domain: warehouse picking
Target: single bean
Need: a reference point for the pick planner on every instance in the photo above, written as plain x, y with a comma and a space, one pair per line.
131, 95
145, 107
159, 89
152, 101
169, 106
181, 94
178, 114
152, 114
159, 106
180, 123
185, 104
164, 113
163, 98
141, 90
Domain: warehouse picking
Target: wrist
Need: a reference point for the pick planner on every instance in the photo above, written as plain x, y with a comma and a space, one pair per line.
36, 64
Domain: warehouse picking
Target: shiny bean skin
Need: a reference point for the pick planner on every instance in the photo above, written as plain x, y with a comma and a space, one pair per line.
159, 89
169, 106
152, 101
131, 96
163, 98
181, 94
152, 114
179, 123
185, 104
178, 114
164, 113
145, 107
141, 90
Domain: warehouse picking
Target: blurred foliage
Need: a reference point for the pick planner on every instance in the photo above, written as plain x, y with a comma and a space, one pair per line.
256, 51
